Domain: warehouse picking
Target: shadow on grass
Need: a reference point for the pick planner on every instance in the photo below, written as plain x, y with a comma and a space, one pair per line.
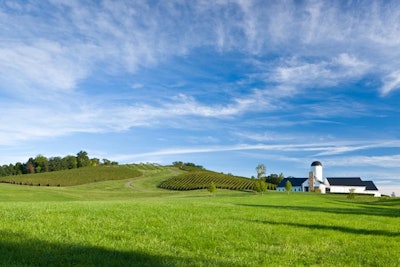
354, 210
342, 229
18, 250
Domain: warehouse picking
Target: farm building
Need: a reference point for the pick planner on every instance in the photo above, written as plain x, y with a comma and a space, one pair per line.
342, 185
298, 184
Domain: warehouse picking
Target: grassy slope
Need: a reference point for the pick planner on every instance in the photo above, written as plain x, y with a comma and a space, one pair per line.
74, 176
109, 224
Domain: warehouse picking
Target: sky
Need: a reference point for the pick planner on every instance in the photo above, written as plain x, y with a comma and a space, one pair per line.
224, 84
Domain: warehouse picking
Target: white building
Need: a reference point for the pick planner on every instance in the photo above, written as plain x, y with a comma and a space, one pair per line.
343, 185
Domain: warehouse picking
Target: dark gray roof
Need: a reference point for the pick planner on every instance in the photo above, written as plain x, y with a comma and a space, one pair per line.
349, 181
352, 181
316, 163
370, 185
293, 181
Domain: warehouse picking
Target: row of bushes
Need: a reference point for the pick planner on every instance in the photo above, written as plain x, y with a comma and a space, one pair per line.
202, 180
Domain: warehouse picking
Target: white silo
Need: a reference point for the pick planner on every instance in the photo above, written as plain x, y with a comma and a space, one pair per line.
316, 168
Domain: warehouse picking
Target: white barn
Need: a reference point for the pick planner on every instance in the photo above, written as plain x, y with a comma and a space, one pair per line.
345, 185
341, 185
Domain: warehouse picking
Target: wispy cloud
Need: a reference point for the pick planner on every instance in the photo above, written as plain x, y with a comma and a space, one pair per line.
332, 148
391, 82
392, 161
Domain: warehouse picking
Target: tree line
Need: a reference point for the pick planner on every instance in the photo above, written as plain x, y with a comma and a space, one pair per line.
41, 164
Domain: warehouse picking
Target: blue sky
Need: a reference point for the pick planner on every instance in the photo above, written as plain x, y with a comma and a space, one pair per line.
224, 84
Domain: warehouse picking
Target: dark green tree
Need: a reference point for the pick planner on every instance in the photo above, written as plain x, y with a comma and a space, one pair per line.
41, 164
70, 162
274, 178
82, 159
19, 168
57, 164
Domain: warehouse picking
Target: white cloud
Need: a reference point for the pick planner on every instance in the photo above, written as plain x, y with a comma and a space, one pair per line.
43, 64
332, 148
391, 82
306, 73
387, 161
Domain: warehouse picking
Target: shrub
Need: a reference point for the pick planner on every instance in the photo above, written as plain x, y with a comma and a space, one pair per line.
351, 194
212, 188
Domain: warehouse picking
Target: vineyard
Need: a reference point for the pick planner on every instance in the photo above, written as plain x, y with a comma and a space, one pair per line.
75, 176
203, 179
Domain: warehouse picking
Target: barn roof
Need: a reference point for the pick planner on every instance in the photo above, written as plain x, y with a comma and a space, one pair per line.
370, 185
351, 181
293, 181
345, 181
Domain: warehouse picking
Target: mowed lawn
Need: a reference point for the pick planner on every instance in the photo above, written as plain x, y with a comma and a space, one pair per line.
133, 223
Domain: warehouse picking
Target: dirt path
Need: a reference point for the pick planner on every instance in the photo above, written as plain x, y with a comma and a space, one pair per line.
129, 185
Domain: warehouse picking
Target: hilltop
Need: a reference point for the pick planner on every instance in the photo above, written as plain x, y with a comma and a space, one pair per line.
185, 177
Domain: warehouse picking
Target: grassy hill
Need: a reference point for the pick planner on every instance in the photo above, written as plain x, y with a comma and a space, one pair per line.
133, 222
74, 176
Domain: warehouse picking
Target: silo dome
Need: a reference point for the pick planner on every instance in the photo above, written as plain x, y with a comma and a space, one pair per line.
316, 168
316, 163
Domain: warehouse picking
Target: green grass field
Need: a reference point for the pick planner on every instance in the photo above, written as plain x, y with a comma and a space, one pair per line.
131, 222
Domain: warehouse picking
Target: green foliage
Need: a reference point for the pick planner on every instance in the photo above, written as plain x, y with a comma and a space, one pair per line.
41, 164
74, 176
274, 178
261, 171
82, 159
212, 188
351, 194
288, 186
187, 166
202, 179
260, 186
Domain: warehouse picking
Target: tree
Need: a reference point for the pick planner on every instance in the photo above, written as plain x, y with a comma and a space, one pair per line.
212, 188
260, 186
30, 166
261, 170
57, 164
274, 178
288, 186
41, 163
351, 194
70, 162
106, 162
82, 159
19, 168
178, 164
94, 162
